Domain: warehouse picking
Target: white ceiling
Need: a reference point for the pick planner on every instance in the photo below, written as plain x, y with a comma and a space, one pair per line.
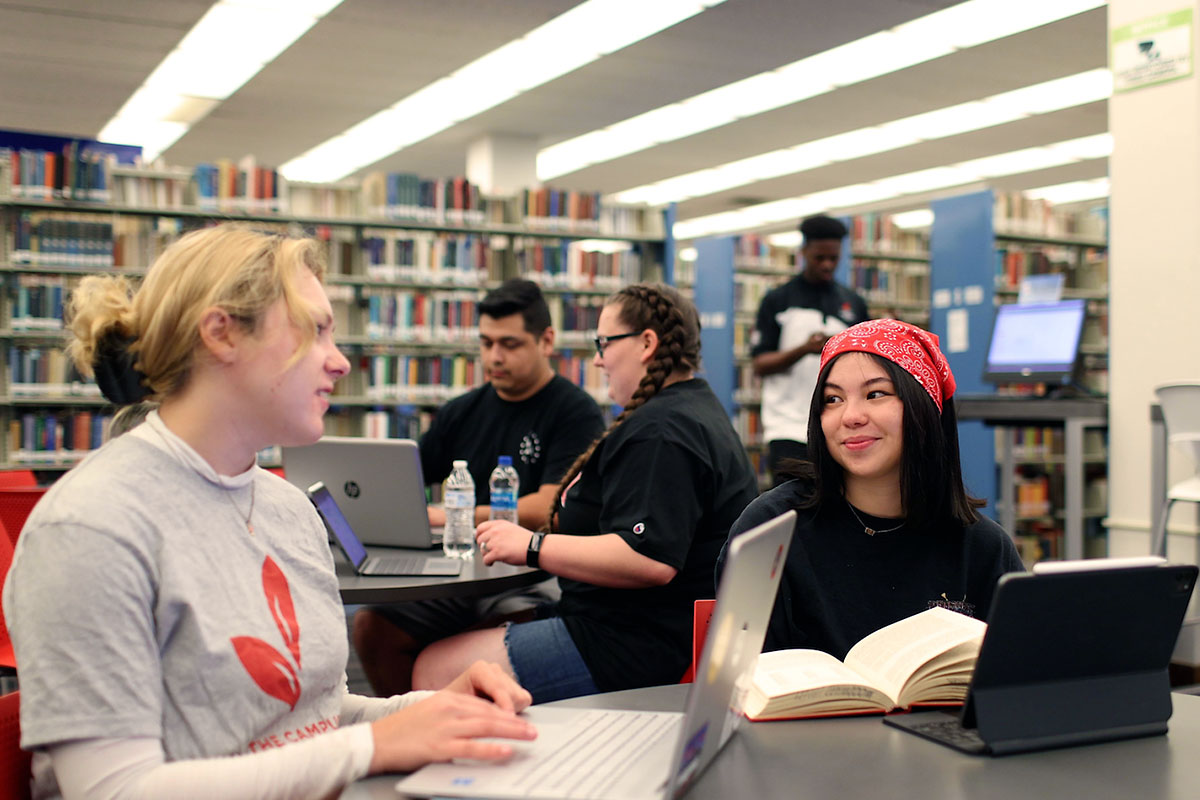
66, 66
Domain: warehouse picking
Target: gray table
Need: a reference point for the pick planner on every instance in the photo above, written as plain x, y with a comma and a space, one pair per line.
475, 580
860, 757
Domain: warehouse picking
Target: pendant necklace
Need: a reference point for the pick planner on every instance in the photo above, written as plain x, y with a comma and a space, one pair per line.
867, 529
249, 513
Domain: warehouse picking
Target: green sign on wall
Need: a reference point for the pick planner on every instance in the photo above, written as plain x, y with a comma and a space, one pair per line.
1151, 51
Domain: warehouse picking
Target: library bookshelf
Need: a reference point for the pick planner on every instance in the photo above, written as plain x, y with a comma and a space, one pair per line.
404, 281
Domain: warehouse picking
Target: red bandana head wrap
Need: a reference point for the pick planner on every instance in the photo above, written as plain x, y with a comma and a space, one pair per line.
914, 350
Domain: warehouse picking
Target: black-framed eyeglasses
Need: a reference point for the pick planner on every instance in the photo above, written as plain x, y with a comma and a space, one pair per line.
603, 341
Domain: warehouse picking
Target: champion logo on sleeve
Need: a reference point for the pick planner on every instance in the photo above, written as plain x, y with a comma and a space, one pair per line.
640, 528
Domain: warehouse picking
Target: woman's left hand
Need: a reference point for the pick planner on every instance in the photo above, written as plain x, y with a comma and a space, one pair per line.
490, 681
500, 540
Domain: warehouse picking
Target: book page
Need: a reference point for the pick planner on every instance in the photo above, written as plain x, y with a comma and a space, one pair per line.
809, 682
890, 655
786, 671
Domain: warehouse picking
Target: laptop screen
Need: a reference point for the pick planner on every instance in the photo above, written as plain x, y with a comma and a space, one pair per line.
337, 524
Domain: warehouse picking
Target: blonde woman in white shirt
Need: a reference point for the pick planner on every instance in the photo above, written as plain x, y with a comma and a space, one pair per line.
173, 606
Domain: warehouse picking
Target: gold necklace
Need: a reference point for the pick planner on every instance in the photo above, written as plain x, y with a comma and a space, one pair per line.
225, 490
867, 529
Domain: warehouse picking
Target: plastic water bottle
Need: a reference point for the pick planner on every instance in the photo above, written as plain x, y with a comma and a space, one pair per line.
503, 485
458, 500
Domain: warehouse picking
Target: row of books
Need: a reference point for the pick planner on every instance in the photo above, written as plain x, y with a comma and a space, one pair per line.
882, 282
748, 424
1015, 213
166, 189
1086, 269
460, 259
75, 173
749, 290
572, 314
38, 305
580, 369
416, 316
420, 379
242, 186
62, 240
570, 265
878, 233
55, 437
547, 207
46, 372
397, 422
751, 251
1039, 443
403, 195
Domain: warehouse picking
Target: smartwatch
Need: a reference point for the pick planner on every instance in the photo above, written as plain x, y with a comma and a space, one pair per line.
535, 547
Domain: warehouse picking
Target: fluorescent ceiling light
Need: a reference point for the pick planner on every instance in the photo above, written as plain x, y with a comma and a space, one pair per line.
979, 169
1073, 192
1041, 98
918, 218
230, 44
932, 36
577, 37
785, 239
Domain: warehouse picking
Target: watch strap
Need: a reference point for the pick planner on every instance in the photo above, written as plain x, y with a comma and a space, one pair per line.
535, 547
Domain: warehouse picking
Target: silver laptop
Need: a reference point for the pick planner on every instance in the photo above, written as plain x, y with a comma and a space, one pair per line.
377, 483
601, 754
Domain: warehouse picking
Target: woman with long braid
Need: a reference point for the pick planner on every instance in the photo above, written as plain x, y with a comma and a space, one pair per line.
636, 526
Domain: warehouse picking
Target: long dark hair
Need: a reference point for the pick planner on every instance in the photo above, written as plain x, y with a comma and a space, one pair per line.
646, 306
931, 485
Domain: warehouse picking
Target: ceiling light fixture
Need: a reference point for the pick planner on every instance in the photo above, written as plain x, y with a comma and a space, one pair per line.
975, 170
932, 36
230, 44
1042, 98
577, 37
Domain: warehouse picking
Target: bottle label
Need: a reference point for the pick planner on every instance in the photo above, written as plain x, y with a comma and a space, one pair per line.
459, 500
504, 500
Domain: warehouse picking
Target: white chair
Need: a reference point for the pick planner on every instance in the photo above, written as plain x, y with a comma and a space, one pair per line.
1181, 415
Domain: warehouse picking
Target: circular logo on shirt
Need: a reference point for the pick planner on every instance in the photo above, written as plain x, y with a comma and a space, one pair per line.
351, 489
531, 448
640, 528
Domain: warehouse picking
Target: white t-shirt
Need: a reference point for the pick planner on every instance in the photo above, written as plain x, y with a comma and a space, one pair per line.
786, 395
141, 606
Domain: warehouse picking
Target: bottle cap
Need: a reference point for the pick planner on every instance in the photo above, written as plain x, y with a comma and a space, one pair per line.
460, 463
506, 461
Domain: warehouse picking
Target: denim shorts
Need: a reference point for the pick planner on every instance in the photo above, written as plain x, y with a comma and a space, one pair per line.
546, 661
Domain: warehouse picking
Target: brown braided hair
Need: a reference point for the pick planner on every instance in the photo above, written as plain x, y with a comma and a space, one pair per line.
662, 309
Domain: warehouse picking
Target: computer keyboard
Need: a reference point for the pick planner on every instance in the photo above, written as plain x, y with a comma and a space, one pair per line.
949, 732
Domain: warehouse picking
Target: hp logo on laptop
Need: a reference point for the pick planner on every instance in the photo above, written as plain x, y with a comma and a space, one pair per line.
351, 489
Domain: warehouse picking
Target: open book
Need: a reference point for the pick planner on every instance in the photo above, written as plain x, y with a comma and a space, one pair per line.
927, 658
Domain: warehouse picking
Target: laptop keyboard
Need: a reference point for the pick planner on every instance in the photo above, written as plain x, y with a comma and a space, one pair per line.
950, 732
394, 565
593, 752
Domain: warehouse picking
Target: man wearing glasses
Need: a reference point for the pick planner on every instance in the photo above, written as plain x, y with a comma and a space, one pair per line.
524, 410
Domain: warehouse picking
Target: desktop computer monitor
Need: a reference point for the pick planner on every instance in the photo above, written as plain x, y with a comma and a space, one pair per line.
1035, 342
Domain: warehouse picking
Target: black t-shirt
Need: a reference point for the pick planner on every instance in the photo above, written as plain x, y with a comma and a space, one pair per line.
544, 434
841, 584
831, 299
669, 481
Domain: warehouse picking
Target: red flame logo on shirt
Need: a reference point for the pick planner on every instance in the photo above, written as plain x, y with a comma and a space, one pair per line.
269, 668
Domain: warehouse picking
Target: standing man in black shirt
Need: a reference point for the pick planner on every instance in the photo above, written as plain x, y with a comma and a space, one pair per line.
794, 322
524, 410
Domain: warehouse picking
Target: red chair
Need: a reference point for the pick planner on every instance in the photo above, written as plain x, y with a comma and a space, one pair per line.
18, 478
15, 506
15, 764
8, 661
702, 611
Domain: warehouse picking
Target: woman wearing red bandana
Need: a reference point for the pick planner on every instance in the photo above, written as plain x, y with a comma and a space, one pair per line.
886, 527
